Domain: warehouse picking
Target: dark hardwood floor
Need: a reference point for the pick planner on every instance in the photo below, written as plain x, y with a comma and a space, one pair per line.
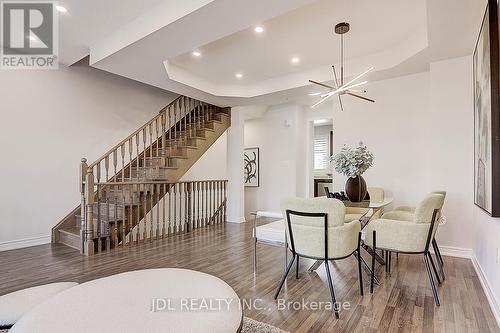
402, 303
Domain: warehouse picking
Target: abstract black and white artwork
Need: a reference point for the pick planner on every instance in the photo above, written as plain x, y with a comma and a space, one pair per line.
251, 167
486, 113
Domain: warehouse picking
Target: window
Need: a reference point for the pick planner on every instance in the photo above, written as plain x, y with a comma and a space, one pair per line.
321, 153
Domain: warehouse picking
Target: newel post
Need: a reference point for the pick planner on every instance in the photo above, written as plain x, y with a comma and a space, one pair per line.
88, 247
83, 206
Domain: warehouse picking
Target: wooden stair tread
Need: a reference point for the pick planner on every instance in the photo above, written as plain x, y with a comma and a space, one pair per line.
72, 230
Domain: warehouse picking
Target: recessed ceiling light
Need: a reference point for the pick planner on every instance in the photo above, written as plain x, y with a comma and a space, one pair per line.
314, 94
295, 60
259, 29
238, 75
61, 9
196, 53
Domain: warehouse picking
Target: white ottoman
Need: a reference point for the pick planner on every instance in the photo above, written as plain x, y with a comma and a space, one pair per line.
14, 305
157, 300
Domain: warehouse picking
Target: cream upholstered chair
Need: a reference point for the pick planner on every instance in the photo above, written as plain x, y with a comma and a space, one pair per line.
316, 230
356, 213
406, 213
411, 237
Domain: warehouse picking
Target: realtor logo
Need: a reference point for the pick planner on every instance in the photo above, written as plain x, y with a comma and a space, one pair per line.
29, 35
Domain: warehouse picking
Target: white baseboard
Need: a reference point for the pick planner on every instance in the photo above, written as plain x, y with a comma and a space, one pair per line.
453, 251
235, 219
494, 303
20, 243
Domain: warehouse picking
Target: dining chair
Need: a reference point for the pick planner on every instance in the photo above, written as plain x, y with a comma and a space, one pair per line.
406, 213
316, 230
408, 237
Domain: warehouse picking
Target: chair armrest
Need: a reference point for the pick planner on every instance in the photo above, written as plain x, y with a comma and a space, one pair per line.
398, 215
397, 235
410, 209
344, 239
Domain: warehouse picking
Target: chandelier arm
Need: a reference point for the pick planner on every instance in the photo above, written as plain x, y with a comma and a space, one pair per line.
335, 77
322, 84
359, 76
346, 87
341, 105
365, 98
333, 92
321, 101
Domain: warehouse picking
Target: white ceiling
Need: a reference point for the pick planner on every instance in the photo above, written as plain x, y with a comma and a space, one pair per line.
151, 40
306, 33
88, 21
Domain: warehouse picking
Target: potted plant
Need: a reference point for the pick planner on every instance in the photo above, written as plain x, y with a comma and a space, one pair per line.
352, 163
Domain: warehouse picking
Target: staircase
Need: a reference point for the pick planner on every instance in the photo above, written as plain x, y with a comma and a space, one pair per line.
133, 193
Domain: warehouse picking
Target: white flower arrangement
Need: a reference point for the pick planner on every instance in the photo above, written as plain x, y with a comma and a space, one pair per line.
352, 162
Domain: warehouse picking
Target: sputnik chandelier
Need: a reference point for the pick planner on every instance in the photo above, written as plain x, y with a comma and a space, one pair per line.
341, 88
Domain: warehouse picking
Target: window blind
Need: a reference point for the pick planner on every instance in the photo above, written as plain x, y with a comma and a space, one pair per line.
321, 153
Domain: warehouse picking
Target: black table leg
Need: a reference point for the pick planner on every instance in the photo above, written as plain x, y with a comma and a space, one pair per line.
368, 249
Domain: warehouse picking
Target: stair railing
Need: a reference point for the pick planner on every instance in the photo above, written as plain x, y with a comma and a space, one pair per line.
167, 129
124, 168
137, 212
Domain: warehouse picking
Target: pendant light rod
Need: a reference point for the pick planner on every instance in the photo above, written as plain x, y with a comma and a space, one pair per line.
341, 60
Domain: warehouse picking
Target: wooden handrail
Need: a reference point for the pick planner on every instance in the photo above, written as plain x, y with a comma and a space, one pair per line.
117, 146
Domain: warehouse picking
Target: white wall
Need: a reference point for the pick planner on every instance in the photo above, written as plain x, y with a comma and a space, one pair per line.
280, 136
393, 128
485, 252
451, 145
420, 131
49, 121
235, 144
212, 165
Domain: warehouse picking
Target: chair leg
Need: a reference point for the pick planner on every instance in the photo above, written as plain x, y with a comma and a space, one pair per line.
373, 260
286, 257
390, 261
388, 255
434, 267
431, 279
437, 251
284, 276
332, 292
360, 273
439, 258
297, 268
255, 256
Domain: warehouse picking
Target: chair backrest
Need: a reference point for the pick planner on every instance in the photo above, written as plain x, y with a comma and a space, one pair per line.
425, 209
307, 220
376, 194
439, 214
